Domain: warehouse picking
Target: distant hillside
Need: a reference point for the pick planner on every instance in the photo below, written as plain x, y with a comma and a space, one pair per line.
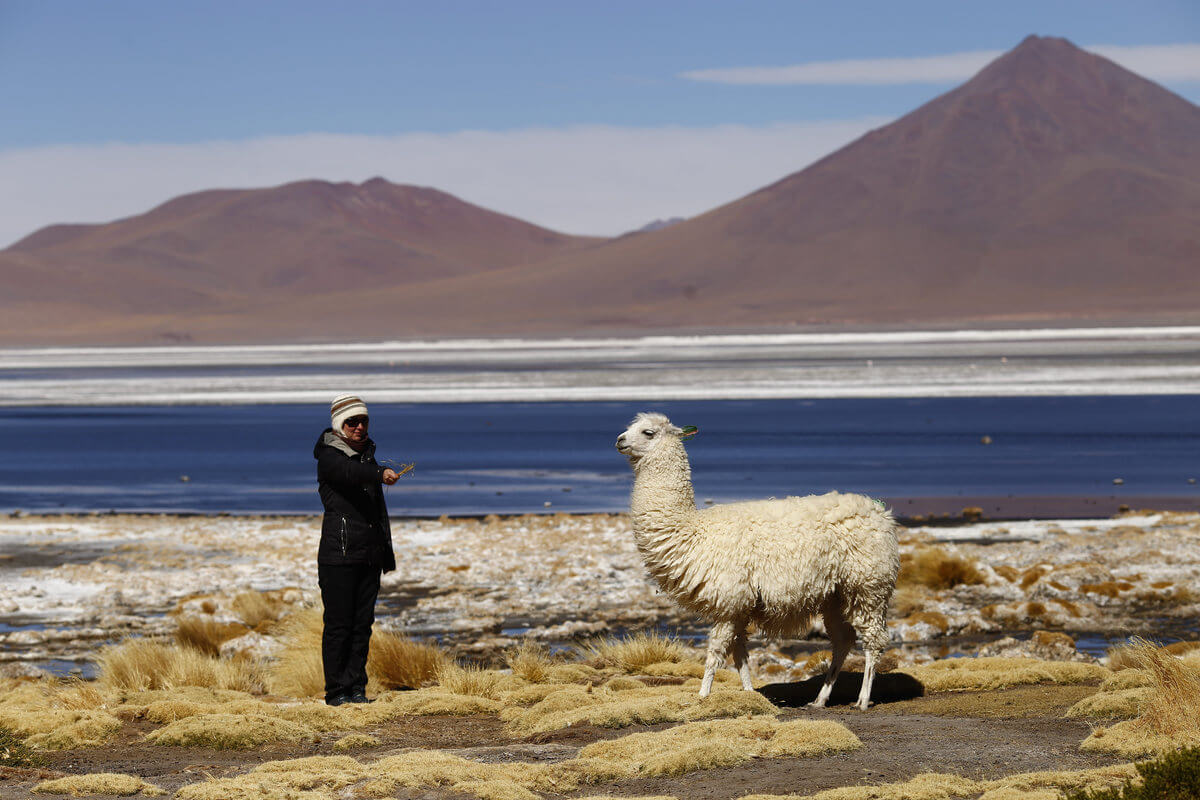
1052, 186
254, 251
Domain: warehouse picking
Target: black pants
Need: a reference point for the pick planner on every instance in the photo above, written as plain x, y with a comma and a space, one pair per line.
348, 592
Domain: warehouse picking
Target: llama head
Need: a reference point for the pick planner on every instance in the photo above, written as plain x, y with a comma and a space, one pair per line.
648, 432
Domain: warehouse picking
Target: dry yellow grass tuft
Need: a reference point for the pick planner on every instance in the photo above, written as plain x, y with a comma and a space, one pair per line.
325, 772
207, 635
397, 662
937, 786
260, 610
104, 783
436, 702
470, 680
676, 669
393, 661
907, 600
1116, 704
609, 708
936, 569
429, 769
138, 664
1169, 715
956, 674
635, 653
230, 731
355, 741
60, 729
297, 670
245, 787
530, 661
926, 786
1127, 679
706, 745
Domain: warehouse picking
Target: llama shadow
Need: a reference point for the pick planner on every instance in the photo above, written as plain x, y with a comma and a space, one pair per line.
889, 687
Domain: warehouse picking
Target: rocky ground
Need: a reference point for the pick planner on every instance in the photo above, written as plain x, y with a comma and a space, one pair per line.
991, 735
69, 583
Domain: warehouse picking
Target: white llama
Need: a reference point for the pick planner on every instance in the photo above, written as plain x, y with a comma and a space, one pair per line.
773, 563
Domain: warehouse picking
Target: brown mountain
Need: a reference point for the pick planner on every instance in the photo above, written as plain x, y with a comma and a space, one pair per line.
1052, 186
227, 252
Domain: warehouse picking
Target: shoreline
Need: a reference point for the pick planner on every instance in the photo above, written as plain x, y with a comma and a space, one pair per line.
940, 510
1022, 362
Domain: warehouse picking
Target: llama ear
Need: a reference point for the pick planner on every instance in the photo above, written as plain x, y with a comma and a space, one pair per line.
688, 431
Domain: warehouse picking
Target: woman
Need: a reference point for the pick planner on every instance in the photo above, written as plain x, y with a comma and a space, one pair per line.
355, 548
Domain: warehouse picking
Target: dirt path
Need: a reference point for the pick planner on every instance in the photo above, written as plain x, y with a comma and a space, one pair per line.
977, 734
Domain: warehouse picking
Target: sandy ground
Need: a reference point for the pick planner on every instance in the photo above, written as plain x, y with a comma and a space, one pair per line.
979, 735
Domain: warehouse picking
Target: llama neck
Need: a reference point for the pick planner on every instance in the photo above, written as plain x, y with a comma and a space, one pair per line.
663, 499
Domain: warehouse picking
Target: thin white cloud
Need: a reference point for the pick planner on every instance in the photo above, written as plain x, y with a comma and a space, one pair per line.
1164, 62
1169, 62
599, 180
925, 69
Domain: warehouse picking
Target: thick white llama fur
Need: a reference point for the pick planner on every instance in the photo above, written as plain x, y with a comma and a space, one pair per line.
773, 563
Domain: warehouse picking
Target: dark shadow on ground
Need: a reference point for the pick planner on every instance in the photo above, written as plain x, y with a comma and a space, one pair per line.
888, 688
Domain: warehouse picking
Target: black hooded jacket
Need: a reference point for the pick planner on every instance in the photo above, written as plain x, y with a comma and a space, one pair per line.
355, 528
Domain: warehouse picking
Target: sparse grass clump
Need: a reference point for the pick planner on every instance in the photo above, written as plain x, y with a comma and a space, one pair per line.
297, 670
354, 741
608, 708
936, 569
715, 743
956, 674
1119, 704
230, 731
140, 664
635, 653
103, 783
397, 662
393, 662
1169, 715
470, 680
260, 610
940, 786
207, 635
429, 769
530, 661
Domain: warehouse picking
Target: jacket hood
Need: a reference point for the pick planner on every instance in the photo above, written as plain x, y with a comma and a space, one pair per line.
330, 439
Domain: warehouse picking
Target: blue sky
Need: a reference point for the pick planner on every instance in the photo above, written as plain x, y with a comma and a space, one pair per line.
588, 117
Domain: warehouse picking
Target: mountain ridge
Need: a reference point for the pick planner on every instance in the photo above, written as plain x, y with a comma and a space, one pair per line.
1053, 185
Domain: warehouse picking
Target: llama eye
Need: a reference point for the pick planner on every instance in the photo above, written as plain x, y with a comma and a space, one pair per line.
648, 434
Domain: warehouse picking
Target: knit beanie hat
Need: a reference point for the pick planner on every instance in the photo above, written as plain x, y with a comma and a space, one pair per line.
343, 407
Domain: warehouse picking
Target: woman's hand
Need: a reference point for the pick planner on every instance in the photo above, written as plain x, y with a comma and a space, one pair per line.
390, 476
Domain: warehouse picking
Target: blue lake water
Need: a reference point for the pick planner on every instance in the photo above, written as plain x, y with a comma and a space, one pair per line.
478, 458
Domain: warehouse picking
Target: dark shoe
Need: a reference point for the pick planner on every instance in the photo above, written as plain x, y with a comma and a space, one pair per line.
337, 700
358, 696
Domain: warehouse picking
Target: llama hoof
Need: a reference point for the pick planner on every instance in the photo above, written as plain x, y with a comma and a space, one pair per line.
817, 704
864, 705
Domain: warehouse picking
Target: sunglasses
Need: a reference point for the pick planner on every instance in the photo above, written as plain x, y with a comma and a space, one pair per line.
354, 422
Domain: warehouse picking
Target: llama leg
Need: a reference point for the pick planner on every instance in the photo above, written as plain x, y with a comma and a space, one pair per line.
841, 637
719, 640
741, 661
873, 633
